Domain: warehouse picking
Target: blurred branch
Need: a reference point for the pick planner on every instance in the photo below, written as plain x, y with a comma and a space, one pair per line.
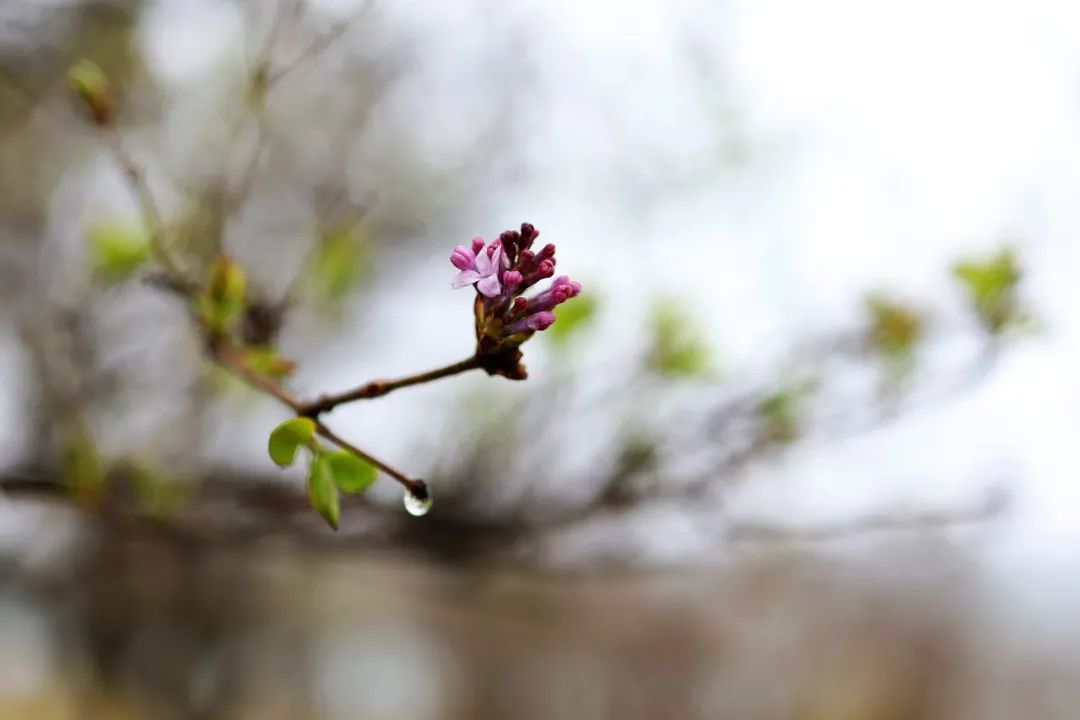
140, 188
991, 506
318, 47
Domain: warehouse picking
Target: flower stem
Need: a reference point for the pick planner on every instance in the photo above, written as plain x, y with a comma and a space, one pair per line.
378, 388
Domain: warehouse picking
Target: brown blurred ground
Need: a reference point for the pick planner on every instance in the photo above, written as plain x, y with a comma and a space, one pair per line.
135, 627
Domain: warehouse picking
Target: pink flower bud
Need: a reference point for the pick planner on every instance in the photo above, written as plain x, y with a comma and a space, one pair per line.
511, 280
477, 245
528, 234
463, 258
541, 320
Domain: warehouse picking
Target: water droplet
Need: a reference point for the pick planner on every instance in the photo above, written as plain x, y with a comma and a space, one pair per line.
419, 502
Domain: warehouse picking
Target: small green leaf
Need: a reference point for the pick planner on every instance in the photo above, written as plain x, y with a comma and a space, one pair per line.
572, 317
117, 250
351, 474
322, 492
287, 437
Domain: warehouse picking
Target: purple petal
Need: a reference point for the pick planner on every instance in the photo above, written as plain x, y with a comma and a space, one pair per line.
484, 264
489, 286
463, 278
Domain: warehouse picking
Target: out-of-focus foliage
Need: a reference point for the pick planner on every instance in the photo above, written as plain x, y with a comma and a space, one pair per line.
778, 414
340, 263
895, 329
91, 85
678, 348
83, 470
268, 361
223, 301
117, 249
157, 494
573, 317
991, 284
287, 437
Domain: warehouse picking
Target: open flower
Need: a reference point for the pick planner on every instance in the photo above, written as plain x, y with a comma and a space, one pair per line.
502, 272
481, 266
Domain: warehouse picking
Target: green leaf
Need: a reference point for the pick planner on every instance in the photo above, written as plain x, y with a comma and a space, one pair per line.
572, 317
117, 250
287, 437
351, 474
679, 349
322, 492
223, 299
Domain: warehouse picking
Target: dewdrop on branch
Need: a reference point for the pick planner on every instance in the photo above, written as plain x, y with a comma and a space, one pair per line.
418, 501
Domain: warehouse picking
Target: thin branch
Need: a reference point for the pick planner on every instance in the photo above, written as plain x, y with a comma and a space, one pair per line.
416, 487
316, 48
140, 188
378, 388
228, 358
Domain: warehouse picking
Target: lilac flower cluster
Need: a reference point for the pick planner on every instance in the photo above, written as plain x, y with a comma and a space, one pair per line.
502, 271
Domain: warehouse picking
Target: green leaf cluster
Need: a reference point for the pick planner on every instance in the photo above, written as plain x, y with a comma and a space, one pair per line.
330, 472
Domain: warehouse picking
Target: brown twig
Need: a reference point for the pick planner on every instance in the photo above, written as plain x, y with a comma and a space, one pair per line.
378, 388
227, 357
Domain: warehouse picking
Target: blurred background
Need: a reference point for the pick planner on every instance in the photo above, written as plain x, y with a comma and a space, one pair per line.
802, 448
